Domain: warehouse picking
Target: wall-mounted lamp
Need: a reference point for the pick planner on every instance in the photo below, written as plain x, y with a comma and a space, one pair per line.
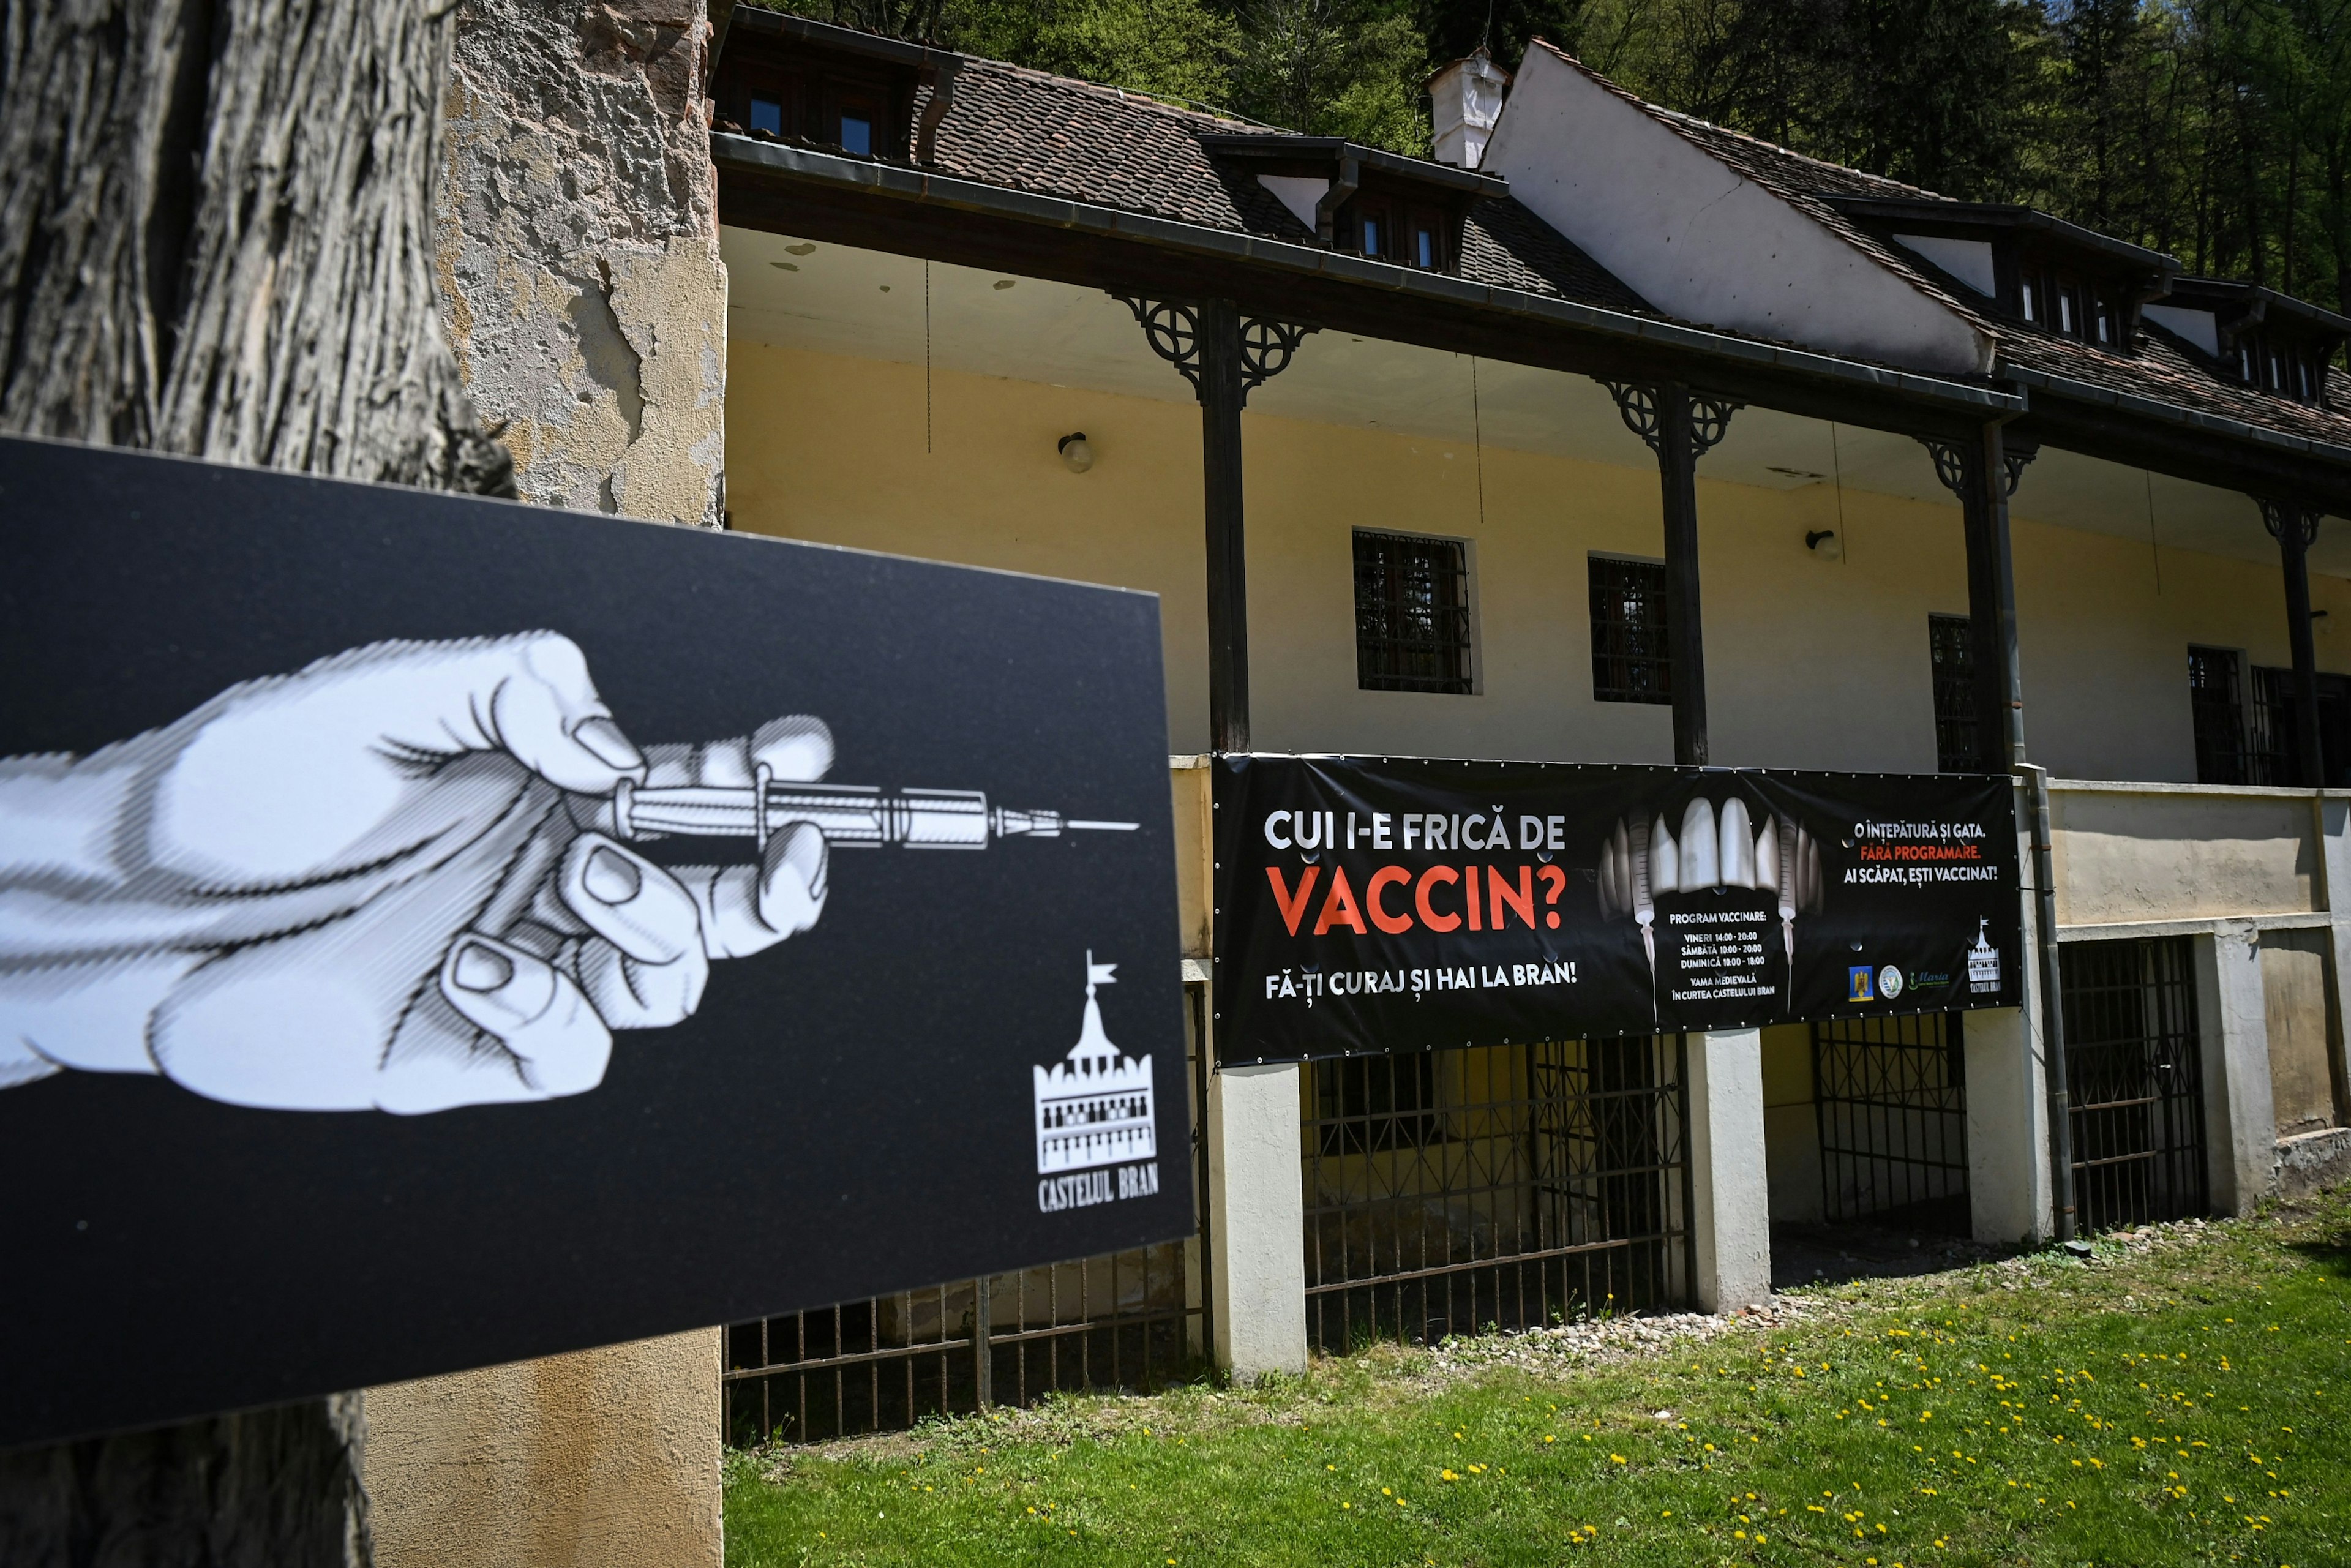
1824, 544
1076, 451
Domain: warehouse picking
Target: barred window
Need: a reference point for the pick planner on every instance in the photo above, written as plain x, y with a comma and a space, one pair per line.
2270, 749
1951, 643
2216, 700
1371, 1105
1412, 613
1631, 653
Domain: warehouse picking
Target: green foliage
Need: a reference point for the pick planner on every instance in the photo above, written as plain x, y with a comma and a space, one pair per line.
2217, 131
1177, 48
2169, 1403
1332, 68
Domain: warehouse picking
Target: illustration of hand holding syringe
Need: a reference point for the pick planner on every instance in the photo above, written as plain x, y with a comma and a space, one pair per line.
406, 878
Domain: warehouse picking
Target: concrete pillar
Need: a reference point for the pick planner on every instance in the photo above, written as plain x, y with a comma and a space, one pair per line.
2332, 809
604, 1456
2232, 1015
1730, 1223
2009, 1193
1257, 1214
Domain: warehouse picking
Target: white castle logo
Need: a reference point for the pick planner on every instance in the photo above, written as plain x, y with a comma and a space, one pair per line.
1094, 1108
1983, 961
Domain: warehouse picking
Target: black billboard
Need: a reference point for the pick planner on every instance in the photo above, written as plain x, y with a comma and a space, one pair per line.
1368, 904
436, 932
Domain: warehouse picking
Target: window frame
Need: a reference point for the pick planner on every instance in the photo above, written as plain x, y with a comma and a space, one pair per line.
1392, 649
2219, 726
1959, 736
1660, 662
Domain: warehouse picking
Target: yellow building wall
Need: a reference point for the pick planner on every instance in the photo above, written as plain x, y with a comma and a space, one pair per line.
1809, 663
1792, 1129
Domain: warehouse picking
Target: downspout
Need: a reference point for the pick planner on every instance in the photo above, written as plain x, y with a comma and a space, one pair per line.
942, 72
1326, 211
2053, 1006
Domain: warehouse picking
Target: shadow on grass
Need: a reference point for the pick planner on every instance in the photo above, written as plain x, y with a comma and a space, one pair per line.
2318, 1226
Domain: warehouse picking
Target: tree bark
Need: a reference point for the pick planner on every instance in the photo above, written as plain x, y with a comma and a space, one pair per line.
272, 1488
216, 235
216, 231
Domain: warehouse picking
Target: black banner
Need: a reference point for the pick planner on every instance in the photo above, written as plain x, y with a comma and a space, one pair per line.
1374, 904
435, 932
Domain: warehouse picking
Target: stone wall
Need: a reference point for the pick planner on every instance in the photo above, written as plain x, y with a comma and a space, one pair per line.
577, 251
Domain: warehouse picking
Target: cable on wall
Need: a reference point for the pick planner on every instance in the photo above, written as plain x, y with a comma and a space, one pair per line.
1837, 468
2153, 549
926, 356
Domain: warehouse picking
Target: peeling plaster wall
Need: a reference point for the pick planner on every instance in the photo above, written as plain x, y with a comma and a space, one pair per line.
578, 251
582, 290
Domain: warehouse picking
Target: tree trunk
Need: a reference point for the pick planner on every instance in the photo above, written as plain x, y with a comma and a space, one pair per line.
274, 1488
217, 239
218, 235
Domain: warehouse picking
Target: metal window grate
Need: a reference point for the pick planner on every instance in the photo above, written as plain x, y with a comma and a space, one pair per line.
1631, 653
1891, 1097
1950, 646
1374, 1104
1127, 1320
1136, 1319
1412, 613
2269, 739
2216, 701
1507, 1185
2133, 1067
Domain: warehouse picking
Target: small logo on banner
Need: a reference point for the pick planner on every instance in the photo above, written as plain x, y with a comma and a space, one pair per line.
1983, 962
1860, 985
1889, 982
1094, 1111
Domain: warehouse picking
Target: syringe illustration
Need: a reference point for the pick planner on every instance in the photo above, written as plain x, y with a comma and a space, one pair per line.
850, 816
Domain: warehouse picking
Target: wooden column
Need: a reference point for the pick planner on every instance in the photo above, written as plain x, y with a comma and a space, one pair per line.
1221, 393
1982, 472
1678, 480
2295, 528
1681, 426
1224, 354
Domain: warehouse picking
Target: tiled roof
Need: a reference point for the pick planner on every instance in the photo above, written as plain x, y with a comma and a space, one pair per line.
1023, 129
2163, 369
2160, 369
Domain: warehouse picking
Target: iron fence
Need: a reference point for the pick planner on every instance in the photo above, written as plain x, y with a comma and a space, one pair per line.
1891, 1097
1453, 1190
2134, 1073
1135, 1319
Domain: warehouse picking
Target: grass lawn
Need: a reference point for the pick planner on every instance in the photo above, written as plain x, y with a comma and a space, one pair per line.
2173, 1400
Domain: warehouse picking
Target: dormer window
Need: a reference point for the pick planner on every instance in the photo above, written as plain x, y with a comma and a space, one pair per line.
819, 85
2069, 305
1361, 201
2060, 277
